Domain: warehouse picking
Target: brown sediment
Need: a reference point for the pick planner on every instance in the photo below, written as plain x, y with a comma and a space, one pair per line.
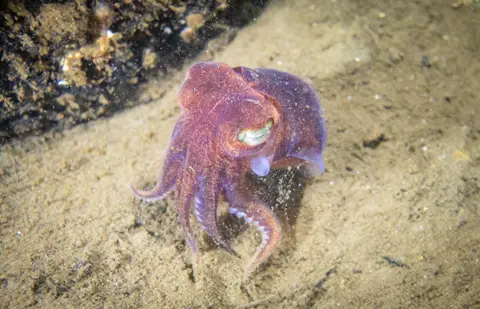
73, 236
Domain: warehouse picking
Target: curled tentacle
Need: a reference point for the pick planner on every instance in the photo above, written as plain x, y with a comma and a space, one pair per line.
244, 205
171, 170
163, 186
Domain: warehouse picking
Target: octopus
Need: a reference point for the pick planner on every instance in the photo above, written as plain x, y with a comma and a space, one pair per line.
236, 121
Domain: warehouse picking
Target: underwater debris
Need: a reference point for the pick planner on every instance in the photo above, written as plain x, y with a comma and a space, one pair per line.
394, 262
374, 142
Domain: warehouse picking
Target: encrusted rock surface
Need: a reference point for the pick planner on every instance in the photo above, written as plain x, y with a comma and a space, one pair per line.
68, 62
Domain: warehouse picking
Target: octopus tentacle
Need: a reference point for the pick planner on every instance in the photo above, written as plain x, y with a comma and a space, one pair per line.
206, 204
244, 205
163, 186
171, 167
184, 191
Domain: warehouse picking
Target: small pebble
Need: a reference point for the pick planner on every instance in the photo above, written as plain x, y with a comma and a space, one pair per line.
395, 55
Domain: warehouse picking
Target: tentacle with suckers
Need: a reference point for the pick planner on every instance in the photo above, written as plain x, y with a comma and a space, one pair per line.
244, 204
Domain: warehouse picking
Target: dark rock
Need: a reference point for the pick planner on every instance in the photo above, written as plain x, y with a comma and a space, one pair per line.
68, 62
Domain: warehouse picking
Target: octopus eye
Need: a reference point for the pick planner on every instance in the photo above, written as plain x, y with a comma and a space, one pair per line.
254, 138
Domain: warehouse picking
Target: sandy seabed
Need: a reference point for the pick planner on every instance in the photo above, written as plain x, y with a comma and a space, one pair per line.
393, 223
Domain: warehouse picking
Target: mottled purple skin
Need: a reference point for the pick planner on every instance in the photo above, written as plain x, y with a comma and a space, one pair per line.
206, 156
301, 109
